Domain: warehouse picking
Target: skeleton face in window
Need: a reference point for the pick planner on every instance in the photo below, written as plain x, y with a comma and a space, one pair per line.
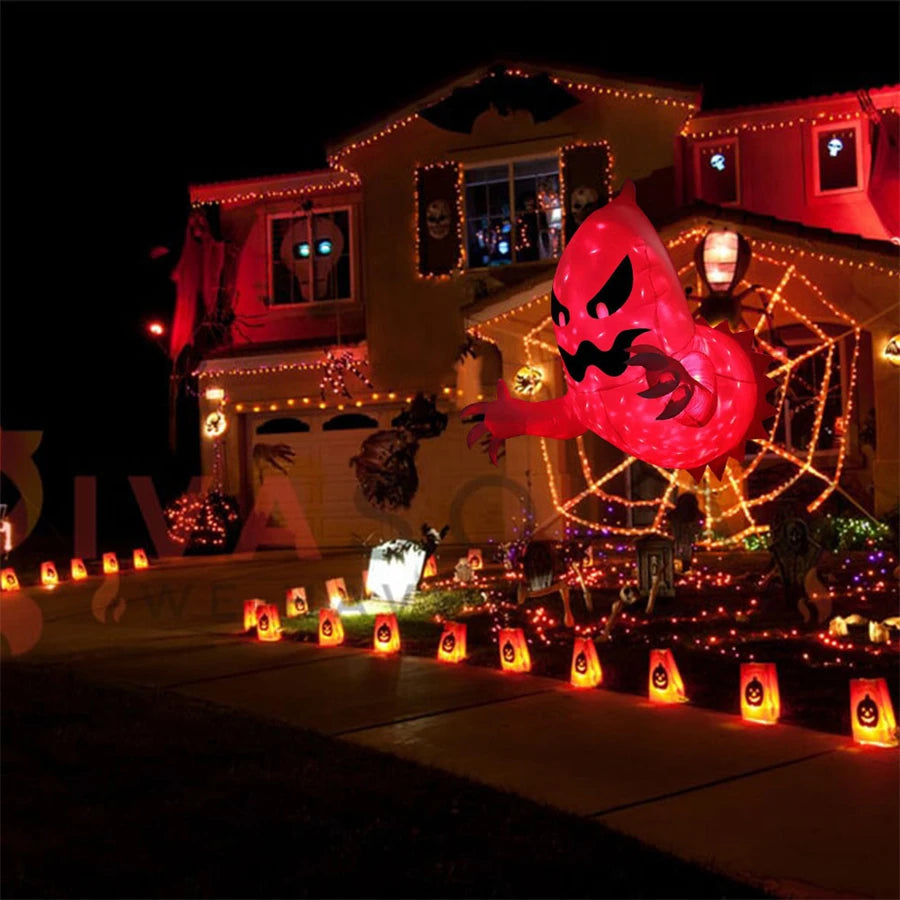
584, 202
323, 242
835, 145
437, 218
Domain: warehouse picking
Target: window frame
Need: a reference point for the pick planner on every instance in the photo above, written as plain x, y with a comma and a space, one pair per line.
734, 141
350, 209
509, 162
815, 131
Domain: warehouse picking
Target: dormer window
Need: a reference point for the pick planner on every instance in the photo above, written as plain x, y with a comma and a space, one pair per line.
717, 172
837, 158
310, 257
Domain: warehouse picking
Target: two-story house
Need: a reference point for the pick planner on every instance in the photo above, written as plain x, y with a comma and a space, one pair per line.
422, 259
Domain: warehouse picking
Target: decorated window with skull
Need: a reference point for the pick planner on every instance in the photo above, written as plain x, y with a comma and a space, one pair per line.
717, 172
310, 257
837, 159
513, 212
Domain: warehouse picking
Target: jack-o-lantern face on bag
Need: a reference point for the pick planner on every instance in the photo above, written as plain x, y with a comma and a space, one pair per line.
384, 634
581, 664
753, 693
509, 652
327, 628
867, 712
660, 677
448, 643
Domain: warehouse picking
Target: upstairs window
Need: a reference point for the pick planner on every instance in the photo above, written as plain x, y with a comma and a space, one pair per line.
310, 257
837, 159
717, 172
513, 212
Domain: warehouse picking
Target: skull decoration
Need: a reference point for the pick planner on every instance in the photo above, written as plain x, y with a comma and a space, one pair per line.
583, 202
835, 145
319, 239
717, 161
437, 219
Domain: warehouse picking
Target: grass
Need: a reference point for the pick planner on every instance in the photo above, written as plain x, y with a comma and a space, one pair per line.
115, 793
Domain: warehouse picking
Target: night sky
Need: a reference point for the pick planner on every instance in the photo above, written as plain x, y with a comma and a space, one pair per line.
110, 111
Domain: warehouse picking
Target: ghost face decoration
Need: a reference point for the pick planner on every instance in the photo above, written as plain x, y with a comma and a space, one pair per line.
583, 202
437, 219
316, 245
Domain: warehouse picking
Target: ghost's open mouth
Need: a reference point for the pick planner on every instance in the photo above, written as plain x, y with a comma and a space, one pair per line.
611, 362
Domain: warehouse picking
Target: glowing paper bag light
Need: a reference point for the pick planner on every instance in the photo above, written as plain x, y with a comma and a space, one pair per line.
295, 603
452, 648
387, 634
514, 655
268, 624
586, 671
337, 592
110, 564
475, 559
394, 570
250, 612
49, 575
331, 628
78, 569
872, 713
140, 559
430, 568
8, 580
760, 700
666, 685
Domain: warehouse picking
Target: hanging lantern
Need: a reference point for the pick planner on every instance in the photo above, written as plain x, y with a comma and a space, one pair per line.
250, 612
140, 559
430, 570
475, 559
268, 624
110, 564
8, 580
872, 713
295, 603
666, 685
337, 592
452, 648
78, 569
331, 628
49, 575
387, 634
760, 700
394, 570
586, 671
722, 258
514, 655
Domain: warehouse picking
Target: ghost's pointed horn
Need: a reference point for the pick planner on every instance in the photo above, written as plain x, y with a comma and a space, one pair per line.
628, 194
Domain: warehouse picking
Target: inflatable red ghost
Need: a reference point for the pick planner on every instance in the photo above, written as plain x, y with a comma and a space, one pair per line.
640, 371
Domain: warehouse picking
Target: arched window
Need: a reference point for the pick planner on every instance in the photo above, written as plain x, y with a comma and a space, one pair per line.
347, 421
282, 426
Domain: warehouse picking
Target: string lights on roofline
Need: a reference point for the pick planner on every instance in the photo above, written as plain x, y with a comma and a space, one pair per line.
820, 118
348, 180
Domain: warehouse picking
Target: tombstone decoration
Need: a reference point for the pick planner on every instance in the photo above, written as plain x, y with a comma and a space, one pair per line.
543, 577
656, 572
795, 552
685, 522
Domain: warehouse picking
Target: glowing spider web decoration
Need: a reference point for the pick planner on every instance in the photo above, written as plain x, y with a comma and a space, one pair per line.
725, 499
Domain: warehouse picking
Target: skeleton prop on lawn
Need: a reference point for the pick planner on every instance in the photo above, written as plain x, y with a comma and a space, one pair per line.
640, 372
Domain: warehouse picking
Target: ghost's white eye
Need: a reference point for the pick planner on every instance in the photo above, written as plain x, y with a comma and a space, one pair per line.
301, 250
323, 248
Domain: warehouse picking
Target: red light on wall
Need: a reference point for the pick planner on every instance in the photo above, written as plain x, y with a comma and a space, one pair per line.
78, 569
110, 564
268, 624
140, 559
8, 580
760, 700
452, 648
387, 634
872, 713
331, 628
514, 655
250, 608
665, 684
49, 575
586, 671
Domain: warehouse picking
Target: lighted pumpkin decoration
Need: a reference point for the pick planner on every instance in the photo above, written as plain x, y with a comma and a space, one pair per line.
452, 647
295, 603
475, 559
49, 575
8, 580
514, 655
337, 592
666, 685
78, 569
268, 623
139, 558
331, 628
387, 634
872, 713
110, 564
250, 612
760, 699
586, 671
640, 371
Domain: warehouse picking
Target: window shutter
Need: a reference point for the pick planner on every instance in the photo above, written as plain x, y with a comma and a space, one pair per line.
587, 173
438, 225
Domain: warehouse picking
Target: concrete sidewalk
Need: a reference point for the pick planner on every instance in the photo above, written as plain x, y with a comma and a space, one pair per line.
796, 812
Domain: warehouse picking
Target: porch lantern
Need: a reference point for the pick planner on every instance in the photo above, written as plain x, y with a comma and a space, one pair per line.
110, 564
78, 569
386, 633
139, 557
49, 575
665, 684
331, 628
872, 713
394, 570
586, 671
337, 592
514, 655
268, 623
250, 612
452, 648
295, 603
722, 258
8, 580
760, 700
